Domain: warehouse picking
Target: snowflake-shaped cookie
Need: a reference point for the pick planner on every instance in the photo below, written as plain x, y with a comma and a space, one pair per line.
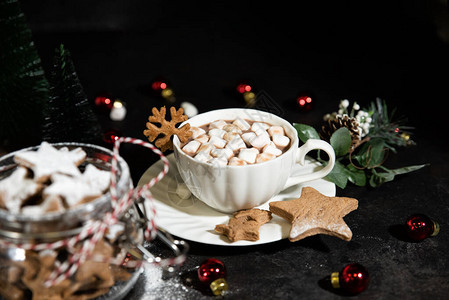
163, 132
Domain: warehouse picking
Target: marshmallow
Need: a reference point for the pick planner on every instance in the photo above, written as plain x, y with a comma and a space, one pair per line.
196, 132
217, 141
217, 132
230, 135
260, 131
218, 124
281, 141
262, 157
191, 147
248, 155
225, 152
272, 149
235, 161
242, 124
247, 137
260, 141
219, 161
276, 130
236, 144
202, 139
206, 148
259, 125
203, 156
232, 128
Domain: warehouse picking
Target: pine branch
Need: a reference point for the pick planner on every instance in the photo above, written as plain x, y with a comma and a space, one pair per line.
386, 127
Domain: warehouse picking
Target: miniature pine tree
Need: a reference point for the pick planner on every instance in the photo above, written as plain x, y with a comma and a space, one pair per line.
69, 116
23, 86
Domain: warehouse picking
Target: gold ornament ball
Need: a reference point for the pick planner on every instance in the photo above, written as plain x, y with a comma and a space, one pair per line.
219, 286
405, 136
167, 93
249, 97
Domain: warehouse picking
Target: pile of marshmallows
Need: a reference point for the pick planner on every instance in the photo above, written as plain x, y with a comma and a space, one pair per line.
238, 143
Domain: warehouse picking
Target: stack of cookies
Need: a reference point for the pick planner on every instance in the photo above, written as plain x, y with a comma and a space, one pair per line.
54, 181
49, 180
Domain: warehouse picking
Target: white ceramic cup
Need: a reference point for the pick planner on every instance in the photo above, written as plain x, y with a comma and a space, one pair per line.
231, 188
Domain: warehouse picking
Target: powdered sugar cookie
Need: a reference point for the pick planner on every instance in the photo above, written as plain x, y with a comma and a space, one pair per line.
16, 189
73, 190
50, 204
96, 178
48, 160
80, 189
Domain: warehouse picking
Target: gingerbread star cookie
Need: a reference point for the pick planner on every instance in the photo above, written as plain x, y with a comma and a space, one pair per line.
314, 213
49, 160
244, 225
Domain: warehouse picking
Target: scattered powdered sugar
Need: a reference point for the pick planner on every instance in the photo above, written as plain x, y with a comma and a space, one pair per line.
154, 286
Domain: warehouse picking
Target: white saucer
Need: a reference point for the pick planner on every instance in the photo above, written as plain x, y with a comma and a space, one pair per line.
191, 219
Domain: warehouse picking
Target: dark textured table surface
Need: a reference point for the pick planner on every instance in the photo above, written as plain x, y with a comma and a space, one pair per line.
394, 50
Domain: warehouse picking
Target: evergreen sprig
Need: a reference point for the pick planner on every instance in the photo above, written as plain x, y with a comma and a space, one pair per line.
387, 128
363, 165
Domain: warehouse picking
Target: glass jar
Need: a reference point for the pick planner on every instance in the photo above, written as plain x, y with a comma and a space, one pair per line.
25, 269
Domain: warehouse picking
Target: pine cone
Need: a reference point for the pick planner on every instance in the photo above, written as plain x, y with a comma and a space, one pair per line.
332, 124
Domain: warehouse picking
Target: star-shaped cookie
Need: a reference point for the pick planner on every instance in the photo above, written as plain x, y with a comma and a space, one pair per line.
80, 189
48, 160
15, 189
314, 213
244, 225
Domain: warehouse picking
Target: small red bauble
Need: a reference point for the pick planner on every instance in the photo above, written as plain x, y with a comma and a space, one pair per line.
210, 270
243, 87
159, 85
354, 278
111, 136
420, 227
103, 102
213, 273
304, 102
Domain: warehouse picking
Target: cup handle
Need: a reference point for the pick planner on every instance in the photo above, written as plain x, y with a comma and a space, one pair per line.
312, 144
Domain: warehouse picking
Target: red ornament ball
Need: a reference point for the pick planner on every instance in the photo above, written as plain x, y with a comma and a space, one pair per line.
420, 227
243, 88
210, 270
159, 85
104, 102
304, 102
111, 135
354, 278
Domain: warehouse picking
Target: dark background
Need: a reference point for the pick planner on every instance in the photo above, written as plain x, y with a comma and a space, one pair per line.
360, 50
395, 50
